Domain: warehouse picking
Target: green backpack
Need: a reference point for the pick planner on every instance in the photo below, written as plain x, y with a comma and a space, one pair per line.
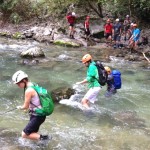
45, 100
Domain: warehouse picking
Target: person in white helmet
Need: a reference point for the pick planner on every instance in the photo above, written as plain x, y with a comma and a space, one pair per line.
117, 30
126, 25
71, 17
31, 101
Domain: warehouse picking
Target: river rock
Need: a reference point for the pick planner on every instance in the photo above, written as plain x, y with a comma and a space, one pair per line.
62, 93
67, 42
33, 52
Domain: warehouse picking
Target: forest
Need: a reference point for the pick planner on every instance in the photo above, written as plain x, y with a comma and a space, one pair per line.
16, 11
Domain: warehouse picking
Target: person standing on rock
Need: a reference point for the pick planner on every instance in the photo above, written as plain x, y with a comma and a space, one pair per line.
108, 32
31, 102
71, 17
117, 29
126, 25
87, 27
92, 80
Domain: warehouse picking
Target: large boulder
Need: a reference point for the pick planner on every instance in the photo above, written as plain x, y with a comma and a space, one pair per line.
62, 93
32, 53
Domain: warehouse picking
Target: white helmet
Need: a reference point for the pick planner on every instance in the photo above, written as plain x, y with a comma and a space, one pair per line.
73, 14
117, 20
127, 16
18, 76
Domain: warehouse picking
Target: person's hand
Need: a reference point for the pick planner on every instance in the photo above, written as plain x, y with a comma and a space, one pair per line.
19, 107
77, 83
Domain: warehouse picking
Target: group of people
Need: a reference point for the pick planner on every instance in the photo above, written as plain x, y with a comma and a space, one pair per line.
71, 18
92, 78
32, 100
113, 32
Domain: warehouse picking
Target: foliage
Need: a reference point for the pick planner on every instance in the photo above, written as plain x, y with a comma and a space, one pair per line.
15, 18
40, 8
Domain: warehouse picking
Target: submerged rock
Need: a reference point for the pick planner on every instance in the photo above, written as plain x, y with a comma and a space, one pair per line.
62, 93
130, 119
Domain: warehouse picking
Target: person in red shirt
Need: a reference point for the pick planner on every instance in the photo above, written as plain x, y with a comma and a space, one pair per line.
71, 20
87, 27
108, 31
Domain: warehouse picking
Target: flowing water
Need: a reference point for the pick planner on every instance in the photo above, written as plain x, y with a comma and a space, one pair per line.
121, 122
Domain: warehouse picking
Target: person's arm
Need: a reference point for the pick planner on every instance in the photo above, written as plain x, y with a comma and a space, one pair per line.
28, 95
82, 82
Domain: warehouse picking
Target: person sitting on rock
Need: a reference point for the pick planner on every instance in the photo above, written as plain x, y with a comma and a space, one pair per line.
134, 40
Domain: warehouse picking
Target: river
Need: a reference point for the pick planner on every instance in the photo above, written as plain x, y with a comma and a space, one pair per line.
121, 122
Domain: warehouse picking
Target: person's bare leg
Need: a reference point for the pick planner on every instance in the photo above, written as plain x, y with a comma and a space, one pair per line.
85, 103
32, 136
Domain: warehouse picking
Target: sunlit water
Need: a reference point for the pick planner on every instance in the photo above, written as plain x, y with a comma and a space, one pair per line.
121, 122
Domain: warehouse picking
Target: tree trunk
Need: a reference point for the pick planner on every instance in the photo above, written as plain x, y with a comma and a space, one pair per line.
97, 11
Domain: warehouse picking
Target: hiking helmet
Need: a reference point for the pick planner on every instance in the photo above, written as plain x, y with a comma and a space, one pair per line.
117, 19
18, 76
73, 14
131, 24
107, 69
86, 58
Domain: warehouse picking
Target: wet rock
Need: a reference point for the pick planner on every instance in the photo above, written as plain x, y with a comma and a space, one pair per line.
29, 62
33, 52
62, 93
67, 42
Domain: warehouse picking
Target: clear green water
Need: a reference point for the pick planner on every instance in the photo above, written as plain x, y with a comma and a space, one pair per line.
119, 123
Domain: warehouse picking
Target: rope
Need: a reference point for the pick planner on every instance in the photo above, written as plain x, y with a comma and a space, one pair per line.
8, 111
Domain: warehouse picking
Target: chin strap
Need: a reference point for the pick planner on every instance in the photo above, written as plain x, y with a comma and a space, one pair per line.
24, 89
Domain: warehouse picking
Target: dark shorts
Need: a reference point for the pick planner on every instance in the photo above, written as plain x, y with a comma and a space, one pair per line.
107, 35
34, 124
126, 27
117, 37
87, 32
71, 25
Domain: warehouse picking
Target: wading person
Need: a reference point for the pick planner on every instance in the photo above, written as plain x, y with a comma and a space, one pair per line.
110, 83
31, 101
92, 80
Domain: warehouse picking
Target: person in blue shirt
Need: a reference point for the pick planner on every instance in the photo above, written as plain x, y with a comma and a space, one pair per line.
134, 40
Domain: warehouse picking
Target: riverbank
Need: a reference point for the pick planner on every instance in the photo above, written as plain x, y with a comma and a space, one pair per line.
56, 33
